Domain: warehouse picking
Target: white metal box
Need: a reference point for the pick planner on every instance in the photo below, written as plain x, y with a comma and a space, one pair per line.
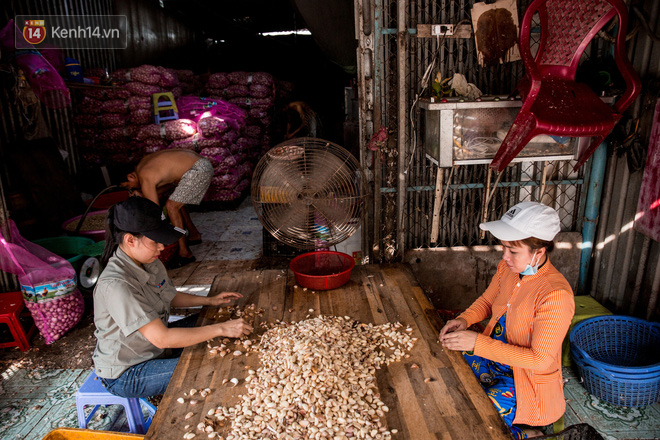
461, 132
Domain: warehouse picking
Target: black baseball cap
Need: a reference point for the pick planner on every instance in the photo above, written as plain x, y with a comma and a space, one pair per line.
140, 215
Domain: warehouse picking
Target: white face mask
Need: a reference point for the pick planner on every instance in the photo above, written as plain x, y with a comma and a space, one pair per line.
531, 269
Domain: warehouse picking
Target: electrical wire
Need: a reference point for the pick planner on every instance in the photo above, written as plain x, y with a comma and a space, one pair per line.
426, 78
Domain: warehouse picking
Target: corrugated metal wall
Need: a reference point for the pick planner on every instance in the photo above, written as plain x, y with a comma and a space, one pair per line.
59, 122
626, 264
154, 34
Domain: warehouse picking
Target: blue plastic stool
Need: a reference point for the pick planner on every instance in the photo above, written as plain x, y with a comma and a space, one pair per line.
92, 392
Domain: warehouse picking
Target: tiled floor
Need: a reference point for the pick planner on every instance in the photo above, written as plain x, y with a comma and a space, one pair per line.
612, 422
34, 402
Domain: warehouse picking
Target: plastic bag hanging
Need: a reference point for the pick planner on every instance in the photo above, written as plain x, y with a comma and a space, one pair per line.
48, 283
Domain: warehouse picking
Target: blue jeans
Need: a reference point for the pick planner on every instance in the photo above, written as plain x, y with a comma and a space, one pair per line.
148, 378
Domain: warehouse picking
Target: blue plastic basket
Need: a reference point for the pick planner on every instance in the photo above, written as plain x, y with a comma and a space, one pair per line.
577, 357
618, 359
618, 343
621, 392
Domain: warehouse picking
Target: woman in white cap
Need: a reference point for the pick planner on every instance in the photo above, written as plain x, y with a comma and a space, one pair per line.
530, 304
132, 300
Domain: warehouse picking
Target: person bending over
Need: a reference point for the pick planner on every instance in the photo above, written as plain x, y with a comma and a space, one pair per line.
190, 174
517, 358
134, 354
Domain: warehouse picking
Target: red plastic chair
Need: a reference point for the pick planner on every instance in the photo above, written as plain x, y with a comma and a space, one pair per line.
553, 103
12, 308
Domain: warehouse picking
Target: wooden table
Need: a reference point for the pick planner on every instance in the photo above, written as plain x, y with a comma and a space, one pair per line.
451, 405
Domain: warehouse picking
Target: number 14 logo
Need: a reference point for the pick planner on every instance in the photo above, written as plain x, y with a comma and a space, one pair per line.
34, 31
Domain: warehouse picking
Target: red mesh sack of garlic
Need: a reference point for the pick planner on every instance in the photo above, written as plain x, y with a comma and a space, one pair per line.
114, 106
142, 89
146, 74
168, 78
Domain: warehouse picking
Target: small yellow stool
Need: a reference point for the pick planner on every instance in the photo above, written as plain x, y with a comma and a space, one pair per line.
168, 106
585, 307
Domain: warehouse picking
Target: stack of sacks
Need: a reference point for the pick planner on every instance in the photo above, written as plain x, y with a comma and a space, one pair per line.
220, 126
96, 72
108, 119
254, 92
190, 83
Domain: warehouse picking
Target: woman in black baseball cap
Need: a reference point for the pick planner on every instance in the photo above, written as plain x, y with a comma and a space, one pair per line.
132, 300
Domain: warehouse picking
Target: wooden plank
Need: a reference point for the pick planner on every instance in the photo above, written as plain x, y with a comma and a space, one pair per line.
473, 390
198, 369
432, 394
204, 272
448, 372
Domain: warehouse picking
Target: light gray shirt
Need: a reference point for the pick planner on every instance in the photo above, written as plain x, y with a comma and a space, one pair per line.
126, 298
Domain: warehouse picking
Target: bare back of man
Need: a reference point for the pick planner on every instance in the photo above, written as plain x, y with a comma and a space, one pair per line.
162, 168
159, 171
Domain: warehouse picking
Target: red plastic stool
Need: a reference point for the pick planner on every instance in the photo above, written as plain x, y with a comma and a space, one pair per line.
12, 308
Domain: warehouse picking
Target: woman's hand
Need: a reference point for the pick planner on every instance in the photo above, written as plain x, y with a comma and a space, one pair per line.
235, 328
223, 298
463, 340
453, 325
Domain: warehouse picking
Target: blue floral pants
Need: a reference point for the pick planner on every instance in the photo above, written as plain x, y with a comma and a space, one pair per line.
497, 380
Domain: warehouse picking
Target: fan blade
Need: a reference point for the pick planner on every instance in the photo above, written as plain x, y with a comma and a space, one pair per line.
275, 194
340, 185
289, 219
332, 211
321, 169
282, 174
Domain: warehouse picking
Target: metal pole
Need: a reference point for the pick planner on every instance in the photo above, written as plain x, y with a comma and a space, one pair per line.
594, 192
365, 50
402, 53
379, 110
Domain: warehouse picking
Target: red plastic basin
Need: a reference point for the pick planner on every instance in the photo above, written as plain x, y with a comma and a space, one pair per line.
322, 270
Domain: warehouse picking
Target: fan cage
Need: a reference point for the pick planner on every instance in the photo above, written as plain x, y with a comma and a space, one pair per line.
307, 193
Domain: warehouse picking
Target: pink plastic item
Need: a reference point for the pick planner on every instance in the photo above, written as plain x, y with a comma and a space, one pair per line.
48, 283
46, 82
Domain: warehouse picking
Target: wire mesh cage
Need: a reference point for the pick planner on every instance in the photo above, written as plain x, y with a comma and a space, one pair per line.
466, 187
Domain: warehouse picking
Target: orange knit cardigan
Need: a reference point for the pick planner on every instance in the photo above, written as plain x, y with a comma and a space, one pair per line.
539, 311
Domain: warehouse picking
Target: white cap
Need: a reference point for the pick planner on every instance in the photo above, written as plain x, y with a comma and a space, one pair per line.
525, 220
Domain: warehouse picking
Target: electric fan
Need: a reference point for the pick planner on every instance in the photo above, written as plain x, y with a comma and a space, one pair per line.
307, 193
